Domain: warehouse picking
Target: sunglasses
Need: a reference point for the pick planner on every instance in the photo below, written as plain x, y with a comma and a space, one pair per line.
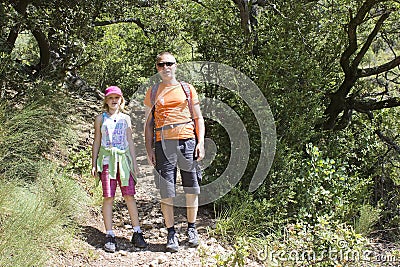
161, 64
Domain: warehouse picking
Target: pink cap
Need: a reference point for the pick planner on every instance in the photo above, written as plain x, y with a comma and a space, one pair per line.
113, 90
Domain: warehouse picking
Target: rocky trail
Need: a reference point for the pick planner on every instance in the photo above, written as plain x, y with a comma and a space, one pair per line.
88, 244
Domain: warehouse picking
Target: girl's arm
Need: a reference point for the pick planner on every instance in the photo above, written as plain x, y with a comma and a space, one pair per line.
96, 143
131, 146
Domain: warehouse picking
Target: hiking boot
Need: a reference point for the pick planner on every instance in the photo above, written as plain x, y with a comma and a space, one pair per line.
138, 240
111, 244
193, 237
172, 242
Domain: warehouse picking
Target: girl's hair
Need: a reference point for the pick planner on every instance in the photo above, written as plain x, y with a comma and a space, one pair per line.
121, 107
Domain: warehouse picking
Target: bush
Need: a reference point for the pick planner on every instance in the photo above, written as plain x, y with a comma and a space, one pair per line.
26, 135
39, 217
245, 219
324, 188
39, 202
327, 243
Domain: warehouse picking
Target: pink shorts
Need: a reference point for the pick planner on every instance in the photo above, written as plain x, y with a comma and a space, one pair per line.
110, 185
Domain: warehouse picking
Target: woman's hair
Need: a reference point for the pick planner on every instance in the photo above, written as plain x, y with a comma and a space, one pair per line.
121, 107
158, 58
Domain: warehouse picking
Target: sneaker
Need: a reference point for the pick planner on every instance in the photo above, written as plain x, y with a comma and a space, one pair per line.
172, 242
138, 240
111, 244
193, 237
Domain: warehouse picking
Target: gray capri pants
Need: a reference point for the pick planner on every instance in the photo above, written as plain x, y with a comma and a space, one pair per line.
171, 154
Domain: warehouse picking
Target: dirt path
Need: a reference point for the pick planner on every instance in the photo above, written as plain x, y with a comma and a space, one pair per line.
88, 245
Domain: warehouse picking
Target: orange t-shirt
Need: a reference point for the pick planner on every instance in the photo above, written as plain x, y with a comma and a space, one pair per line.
171, 107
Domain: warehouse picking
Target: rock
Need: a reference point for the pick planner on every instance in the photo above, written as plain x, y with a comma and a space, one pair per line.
128, 226
154, 263
123, 252
147, 225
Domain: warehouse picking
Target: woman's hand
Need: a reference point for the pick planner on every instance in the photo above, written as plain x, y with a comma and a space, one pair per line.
199, 152
151, 157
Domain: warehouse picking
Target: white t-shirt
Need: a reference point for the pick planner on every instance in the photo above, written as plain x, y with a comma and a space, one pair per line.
113, 132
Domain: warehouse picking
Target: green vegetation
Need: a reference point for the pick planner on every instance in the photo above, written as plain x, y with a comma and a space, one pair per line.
330, 73
40, 203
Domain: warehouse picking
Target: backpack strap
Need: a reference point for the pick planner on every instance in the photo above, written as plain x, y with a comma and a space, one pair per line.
186, 89
188, 94
103, 115
153, 94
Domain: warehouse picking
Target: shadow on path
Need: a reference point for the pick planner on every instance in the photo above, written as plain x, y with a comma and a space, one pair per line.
96, 239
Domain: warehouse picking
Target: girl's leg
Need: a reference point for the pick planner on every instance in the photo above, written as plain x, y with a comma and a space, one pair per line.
108, 212
137, 238
109, 187
132, 210
110, 244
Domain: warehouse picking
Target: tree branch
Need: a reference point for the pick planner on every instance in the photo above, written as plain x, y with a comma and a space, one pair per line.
109, 22
339, 100
365, 106
388, 141
369, 40
20, 7
379, 69
243, 6
44, 48
352, 34
200, 3
128, 20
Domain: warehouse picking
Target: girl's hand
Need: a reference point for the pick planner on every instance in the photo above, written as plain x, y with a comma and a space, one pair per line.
136, 170
94, 172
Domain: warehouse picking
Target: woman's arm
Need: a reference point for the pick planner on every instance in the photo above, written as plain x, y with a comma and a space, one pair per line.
200, 131
149, 135
96, 143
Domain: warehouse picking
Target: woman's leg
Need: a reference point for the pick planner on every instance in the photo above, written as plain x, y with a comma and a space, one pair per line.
192, 206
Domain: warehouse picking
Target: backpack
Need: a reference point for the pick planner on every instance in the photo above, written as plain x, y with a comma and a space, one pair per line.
185, 88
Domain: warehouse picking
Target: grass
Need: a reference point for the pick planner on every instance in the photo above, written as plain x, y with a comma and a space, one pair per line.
40, 203
37, 218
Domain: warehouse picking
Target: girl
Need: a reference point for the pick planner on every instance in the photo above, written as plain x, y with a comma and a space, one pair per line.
113, 156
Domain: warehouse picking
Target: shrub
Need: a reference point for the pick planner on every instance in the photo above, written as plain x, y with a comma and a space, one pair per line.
38, 217
324, 188
39, 202
327, 243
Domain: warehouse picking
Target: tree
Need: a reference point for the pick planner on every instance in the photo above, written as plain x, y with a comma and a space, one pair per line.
60, 30
364, 29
